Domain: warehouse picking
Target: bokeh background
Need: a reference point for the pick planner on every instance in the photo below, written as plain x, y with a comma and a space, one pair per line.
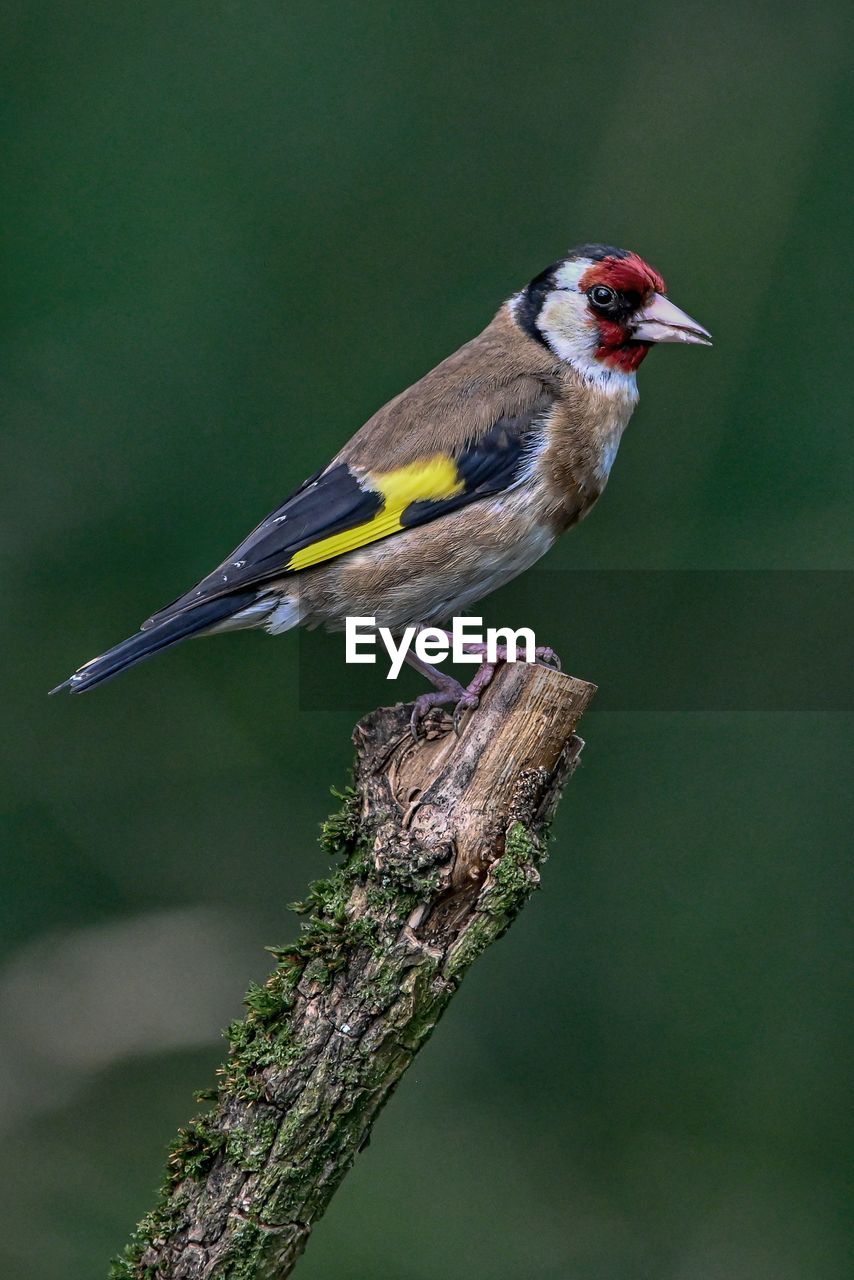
232, 231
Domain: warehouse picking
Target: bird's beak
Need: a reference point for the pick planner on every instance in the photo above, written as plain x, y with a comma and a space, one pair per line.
660, 321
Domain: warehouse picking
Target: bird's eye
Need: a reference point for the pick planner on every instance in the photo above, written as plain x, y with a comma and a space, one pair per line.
601, 296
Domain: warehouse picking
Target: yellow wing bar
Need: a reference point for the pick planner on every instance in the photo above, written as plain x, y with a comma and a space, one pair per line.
430, 480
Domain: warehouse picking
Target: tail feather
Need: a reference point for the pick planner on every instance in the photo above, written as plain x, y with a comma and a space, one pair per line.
145, 644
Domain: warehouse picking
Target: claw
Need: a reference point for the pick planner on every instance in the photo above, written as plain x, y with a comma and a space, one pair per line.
547, 655
469, 702
450, 691
420, 709
542, 653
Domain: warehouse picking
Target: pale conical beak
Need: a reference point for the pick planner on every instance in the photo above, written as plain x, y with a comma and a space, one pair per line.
660, 321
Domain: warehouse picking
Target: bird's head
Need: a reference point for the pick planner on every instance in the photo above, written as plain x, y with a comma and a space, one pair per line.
601, 309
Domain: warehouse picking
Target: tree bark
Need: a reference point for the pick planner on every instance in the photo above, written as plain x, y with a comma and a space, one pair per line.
441, 842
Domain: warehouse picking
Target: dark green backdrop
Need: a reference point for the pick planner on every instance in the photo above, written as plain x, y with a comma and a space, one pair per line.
233, 230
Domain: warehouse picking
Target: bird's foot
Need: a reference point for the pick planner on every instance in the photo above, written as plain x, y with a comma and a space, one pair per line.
465, 698
449, 690
472, 692
543, 653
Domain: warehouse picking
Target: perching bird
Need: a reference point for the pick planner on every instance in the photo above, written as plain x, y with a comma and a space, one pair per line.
455, 486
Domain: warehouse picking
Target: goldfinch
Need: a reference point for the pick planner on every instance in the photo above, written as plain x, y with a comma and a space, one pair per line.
455, 486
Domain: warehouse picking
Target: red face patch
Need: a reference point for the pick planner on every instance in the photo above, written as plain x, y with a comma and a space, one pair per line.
629, 275
618, 351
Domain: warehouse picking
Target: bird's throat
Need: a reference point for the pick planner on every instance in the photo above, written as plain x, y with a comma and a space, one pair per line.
627, 357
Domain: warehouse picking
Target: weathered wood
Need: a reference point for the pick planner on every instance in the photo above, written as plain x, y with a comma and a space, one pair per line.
441, 842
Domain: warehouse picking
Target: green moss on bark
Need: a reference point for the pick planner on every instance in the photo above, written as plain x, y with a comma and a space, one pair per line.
340, 831
258, 1042
264, 1040
511, 880
385, 939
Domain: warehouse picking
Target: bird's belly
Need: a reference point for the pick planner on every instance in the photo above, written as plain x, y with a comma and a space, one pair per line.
430, 573
438, 596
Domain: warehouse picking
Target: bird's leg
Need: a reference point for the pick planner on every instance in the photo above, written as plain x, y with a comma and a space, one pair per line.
484, 676
447, 689
475, 687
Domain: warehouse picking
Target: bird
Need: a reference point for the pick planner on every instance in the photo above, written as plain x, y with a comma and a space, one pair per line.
455, 486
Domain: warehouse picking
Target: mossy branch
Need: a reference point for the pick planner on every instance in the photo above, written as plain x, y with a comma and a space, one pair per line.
440, 843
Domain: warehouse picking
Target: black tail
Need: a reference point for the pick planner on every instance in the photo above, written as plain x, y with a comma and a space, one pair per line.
145, 644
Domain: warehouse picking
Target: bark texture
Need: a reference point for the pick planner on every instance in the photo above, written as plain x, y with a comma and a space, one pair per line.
440, 842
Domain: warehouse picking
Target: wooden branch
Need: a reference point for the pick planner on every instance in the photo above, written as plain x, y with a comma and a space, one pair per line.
441, 842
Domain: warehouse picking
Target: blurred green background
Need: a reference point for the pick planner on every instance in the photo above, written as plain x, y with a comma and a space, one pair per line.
233, 231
